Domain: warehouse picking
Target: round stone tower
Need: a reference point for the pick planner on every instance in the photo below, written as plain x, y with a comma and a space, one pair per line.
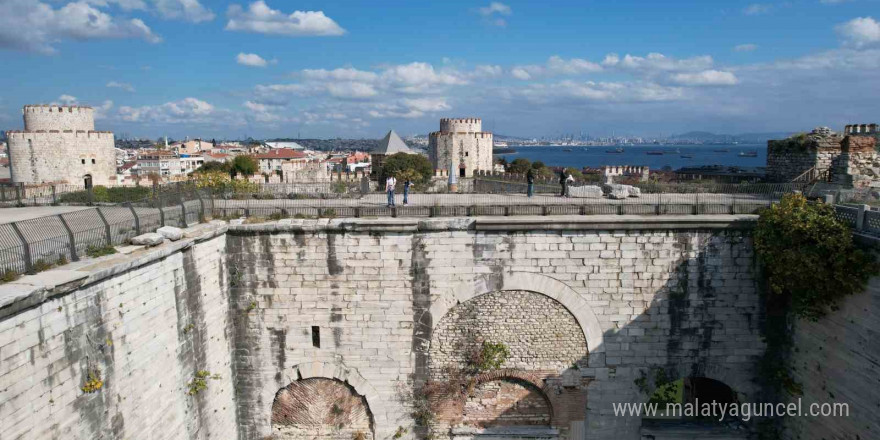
462, 142
54, 117
59, 144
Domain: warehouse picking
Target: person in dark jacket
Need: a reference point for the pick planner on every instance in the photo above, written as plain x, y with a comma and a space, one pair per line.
406, 185
563, 181
530, 178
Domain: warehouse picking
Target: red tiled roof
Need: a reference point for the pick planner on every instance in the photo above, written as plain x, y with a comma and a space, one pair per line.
281, 153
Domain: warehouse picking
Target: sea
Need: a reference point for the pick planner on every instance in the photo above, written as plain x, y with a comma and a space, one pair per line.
597, 156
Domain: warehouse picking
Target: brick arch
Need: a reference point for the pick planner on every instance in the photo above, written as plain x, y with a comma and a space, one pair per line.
347, 375
527, 281
530, 383
319, 407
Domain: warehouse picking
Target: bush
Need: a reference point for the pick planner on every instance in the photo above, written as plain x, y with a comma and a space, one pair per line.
102, 194
100, 251
245, 165
809, 257
519, 165
8, 276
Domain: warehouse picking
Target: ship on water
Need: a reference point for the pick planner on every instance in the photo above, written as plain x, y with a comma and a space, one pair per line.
617, 150
654, 153
748, 154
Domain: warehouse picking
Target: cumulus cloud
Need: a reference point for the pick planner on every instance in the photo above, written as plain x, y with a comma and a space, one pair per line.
251, 59
188, 10
747, 47
33, 26
860, 32
656, 62
409, 108
705, 78
120, 85
260, 18
555, 65
494, 13
177, 112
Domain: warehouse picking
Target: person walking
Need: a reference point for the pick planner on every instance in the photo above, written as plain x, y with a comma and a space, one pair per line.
406, 185
390, 183
563, 182
530, 178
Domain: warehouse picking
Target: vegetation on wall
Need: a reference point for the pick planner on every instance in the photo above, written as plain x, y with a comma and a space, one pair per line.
794, 142
808, 256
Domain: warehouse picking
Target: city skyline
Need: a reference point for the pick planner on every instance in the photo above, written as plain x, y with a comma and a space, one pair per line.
319, 70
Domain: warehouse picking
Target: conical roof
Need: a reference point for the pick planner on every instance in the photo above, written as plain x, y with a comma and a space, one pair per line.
390, 144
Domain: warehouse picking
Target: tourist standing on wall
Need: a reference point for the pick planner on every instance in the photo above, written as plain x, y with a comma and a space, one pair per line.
390, 182
530, 178
562, 181
568, 181
406, 184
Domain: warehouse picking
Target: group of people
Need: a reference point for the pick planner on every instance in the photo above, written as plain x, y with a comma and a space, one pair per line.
565, 179
391, 184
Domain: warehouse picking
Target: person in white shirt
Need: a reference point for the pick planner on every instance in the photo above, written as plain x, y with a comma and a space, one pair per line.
390, 182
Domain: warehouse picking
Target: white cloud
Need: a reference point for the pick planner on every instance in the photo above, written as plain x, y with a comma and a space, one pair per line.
746, 47
493, 13
409, 108
251, 59
578, 92
120, 85
260, 18
521, 73
496, 8
188, 10
33, 26
705, 78
183, 111
859, 32
555, 65
67, 99
340, 74
657, 62
757, 9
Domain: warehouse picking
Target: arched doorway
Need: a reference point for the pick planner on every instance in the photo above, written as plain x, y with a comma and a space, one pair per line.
87, 181
320, 408
542, 341
691, 407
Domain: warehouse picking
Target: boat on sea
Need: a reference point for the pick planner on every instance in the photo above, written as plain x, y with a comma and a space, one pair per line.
687, 156
567, 150
617, 150
654, 153
722, 150
748, 154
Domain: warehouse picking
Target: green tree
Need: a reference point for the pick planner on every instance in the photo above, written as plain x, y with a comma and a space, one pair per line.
402, 165
244, 165
537, 165
576, 173
519, 165
809, 257
209, 167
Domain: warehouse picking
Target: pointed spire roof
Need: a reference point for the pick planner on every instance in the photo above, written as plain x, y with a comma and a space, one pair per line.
390, 144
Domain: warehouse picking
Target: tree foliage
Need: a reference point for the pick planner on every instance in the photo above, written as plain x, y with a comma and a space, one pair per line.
809, 257
245, 165
404, 166
519, 165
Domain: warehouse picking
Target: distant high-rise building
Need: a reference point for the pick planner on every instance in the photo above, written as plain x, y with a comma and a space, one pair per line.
461, 142
59, 144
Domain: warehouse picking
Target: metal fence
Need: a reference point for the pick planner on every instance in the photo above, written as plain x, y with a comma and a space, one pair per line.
33, 245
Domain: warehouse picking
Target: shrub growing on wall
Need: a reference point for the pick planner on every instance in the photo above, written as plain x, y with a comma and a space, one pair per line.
809, 257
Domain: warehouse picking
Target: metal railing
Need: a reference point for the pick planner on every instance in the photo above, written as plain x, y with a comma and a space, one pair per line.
32, 245
861, 218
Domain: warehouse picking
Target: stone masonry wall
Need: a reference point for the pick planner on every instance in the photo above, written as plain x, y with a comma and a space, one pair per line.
358, 301
836, 360
66, 156
148, 321
785, 162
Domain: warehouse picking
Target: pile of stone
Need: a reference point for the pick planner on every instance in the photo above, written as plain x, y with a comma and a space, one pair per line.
618, 191
158, 237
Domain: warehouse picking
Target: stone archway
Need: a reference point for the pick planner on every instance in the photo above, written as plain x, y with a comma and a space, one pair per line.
320, 408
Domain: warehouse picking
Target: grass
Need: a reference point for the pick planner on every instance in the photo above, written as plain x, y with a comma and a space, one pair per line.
100, 251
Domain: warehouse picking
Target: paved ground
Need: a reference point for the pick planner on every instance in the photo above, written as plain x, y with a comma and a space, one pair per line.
9, 215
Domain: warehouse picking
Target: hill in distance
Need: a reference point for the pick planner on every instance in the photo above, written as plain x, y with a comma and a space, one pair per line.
746, 138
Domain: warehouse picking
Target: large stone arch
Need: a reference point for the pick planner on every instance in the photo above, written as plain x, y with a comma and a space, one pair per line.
533, 282
321, 408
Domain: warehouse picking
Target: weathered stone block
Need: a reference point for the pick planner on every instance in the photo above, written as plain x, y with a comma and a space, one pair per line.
151, 239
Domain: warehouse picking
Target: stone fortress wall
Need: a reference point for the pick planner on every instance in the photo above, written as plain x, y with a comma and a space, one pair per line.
305, 325
463, 140
849, 159
59, 144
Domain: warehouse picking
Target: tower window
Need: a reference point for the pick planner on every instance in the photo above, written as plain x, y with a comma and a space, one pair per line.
93, 161
83, 161
316, 336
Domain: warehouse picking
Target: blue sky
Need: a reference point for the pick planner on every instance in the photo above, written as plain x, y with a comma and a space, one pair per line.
357, 68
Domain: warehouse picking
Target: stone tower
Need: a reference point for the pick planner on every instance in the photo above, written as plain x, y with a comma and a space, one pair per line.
59, 144
463, 141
